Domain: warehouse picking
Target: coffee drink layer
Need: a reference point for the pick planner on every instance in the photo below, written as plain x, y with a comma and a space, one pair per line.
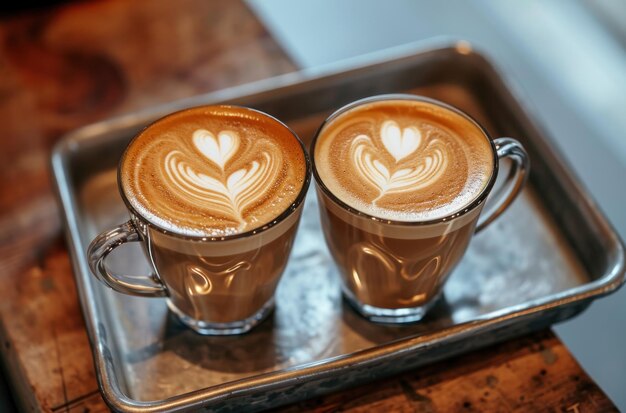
213, 171
404, 160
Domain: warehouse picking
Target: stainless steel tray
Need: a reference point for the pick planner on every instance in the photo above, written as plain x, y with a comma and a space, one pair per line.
544, 261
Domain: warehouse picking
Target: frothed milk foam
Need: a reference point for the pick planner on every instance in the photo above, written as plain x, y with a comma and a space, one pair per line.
404, 160
213, 171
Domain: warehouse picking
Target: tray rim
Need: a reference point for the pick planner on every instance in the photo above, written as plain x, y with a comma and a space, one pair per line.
609, 282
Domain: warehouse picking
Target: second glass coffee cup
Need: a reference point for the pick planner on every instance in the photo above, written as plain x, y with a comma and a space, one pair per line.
402, 181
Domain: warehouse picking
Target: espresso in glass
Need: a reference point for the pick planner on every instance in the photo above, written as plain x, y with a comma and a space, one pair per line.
402, 181
215, 195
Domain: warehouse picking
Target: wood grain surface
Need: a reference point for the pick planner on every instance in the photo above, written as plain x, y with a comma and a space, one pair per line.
532, 374
70, 65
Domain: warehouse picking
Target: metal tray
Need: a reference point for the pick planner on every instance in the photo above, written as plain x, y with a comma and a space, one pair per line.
544, 261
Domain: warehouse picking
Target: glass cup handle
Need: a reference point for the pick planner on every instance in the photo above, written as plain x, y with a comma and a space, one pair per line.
514, 182
103, 245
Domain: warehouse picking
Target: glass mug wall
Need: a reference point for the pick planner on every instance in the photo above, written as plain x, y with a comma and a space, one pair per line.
402, 181
215, 194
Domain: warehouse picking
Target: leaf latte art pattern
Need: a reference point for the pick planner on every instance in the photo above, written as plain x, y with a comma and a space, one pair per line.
417, 164
227, 193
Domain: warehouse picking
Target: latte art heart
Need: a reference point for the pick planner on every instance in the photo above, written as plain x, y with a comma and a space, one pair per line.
403, 159
218, 150
427, 167
231, 193
213, 171
400, 144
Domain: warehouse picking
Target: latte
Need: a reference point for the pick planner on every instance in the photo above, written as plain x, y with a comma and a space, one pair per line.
404, 160
423, 168
213, 171
192, 179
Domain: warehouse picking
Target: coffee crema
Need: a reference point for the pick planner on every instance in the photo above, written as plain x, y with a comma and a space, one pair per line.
404, 160
213, 171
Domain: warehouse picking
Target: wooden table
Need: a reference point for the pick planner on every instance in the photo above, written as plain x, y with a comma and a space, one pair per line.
73, 64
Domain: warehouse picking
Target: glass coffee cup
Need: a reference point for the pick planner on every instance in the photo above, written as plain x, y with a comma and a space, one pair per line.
215, 195
402, 181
